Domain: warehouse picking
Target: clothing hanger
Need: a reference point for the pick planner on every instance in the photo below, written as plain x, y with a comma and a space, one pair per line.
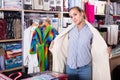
109, 2
35, 22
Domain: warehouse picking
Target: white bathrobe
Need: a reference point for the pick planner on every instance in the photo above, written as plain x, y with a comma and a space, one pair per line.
100, 57
28, 59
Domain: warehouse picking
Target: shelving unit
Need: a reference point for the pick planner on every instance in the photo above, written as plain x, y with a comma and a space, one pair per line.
11, 40
58, 14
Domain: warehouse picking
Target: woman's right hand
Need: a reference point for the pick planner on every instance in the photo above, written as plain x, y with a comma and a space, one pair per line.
51, 44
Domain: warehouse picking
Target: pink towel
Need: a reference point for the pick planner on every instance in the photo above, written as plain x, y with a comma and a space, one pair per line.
89, 10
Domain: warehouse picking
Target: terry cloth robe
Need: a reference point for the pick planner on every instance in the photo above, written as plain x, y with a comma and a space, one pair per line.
41, 40
28, 59
100, 56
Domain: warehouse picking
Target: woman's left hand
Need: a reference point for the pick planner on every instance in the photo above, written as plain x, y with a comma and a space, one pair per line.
109, 51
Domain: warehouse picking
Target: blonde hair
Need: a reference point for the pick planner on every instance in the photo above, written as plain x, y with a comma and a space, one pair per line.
80, 10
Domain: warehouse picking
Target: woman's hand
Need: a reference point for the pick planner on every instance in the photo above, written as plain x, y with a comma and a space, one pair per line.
109, 51
51, 44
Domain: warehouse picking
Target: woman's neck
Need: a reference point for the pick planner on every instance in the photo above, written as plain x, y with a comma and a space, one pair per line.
81, 25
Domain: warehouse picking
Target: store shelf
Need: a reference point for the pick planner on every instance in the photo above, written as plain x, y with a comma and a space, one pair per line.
115, 56
41, 11
12, 69
11, 40
10, 9
99, 14
65, 12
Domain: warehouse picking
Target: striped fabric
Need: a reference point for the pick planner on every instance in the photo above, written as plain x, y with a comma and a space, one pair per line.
41, 40
79, 45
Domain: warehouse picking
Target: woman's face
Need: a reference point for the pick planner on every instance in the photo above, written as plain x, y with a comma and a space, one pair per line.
76, 16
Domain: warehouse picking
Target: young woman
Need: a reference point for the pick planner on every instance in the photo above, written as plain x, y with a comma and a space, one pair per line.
79, 47
80, 50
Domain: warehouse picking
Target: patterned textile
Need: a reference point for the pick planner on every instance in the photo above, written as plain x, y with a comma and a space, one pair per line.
13, 55
41, 40
108, 14
2, 67
3, 29
17, 28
